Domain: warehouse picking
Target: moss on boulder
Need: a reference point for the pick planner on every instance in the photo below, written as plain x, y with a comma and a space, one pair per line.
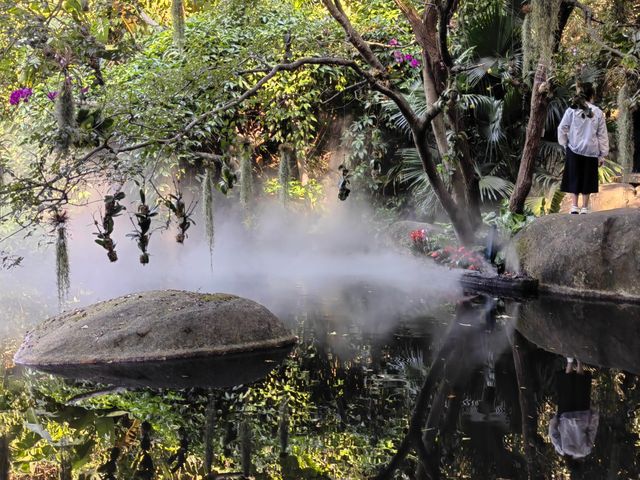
595, 255
154, 326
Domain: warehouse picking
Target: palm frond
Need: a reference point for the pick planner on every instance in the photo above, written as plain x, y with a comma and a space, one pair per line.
494, 188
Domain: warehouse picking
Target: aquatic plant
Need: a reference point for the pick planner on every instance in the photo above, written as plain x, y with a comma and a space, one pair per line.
142, 232
112, 209
343, 186
176, 205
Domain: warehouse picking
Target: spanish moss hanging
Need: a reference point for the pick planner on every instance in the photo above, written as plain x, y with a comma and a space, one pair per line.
283, 428
66, 115
245, 448
209, 432
63, 282
284, 171
544, 24
625, 128
246, 175
207, 208
527, 44
177, 16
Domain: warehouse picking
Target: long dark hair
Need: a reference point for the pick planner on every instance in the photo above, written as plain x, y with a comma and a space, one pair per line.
585, 93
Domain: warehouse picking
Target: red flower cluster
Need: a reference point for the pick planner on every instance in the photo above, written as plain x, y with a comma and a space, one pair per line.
458, 257
418, 235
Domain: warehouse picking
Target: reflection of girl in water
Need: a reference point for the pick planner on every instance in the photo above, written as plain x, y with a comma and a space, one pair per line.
573, 429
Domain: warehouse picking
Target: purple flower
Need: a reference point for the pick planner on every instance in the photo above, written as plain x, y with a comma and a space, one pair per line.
393, 42
84, 89
19, 95
14, 98
414, 63
398, 56
52, 96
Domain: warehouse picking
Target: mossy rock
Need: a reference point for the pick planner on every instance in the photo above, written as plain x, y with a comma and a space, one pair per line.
154, 326
596, 255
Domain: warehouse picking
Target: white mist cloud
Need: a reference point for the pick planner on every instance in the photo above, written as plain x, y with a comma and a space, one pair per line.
287, 261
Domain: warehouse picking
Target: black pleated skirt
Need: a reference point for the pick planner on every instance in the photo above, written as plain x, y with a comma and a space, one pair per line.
580, 174
574, 391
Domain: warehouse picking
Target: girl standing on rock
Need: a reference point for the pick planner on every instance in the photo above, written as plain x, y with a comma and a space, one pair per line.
583, 134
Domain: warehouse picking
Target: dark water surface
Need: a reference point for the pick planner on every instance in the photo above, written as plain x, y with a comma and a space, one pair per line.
482, 371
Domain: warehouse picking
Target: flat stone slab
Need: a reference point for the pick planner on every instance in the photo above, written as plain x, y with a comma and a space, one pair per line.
154, 326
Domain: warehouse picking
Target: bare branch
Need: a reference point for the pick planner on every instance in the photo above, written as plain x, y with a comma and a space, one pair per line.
355, 86
337, 12
595, 35
443, 24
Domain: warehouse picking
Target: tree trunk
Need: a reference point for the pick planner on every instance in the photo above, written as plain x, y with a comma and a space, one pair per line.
535, 129
528, 409
431, 94
457, 213
470, 180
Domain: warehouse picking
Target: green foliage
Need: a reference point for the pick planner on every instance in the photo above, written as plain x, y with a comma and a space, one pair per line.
508, 223
310, 193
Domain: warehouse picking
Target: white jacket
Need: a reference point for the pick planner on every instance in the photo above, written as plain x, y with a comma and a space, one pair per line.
583, 135
573, 433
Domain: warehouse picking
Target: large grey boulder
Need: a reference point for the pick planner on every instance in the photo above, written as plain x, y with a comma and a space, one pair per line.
595, 255
155, 329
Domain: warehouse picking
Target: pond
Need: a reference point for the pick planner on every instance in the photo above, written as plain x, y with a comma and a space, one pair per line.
482, 371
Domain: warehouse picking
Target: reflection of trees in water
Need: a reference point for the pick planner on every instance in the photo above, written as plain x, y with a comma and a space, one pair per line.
510, 447
479, 403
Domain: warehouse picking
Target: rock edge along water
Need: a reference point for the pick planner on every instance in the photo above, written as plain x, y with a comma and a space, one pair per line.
591, 256
154, 326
